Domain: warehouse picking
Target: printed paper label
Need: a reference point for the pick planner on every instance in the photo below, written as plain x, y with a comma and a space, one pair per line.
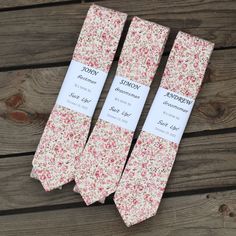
168, 115
81, 88
124, 103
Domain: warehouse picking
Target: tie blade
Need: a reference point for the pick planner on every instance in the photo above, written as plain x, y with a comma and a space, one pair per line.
66, 131
106, 151
136, 210
92, 193
144, 180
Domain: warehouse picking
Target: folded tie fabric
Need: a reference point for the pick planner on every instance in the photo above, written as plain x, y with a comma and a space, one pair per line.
145, 176
100, 166
68, 126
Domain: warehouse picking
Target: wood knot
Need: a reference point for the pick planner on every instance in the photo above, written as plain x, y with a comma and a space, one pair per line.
19, 116
213, 110
225, 210
15, 100
231, 214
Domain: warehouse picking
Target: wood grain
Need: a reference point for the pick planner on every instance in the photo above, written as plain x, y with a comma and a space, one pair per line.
27, 97
7, 4
202, 162
197, 215
45, 37
48, 34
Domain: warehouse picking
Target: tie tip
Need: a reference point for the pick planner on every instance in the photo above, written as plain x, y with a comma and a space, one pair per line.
132, 217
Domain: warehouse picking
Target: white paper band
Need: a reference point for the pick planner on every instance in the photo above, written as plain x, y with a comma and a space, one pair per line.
81, 88
168, 115
124, 103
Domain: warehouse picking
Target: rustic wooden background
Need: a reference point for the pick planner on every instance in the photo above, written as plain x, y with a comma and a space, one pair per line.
36, 43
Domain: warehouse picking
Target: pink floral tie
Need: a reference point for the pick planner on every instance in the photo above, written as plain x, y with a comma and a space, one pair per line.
145, 176
66, 131
99, 168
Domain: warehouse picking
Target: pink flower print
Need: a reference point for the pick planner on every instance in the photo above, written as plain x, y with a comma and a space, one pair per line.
66, 131
139, 142
143, 173
144, 165
104, 36
184, 67
132, 65
152, 158
97, 174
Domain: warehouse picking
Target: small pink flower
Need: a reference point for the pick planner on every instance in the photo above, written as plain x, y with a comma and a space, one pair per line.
144, 165
143, 173
184, 67
97, 174
135, 202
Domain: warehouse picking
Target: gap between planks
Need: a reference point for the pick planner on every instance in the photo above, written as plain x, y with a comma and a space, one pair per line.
202, 163
53, 32
200, 214
67, 63
109, 201
9, 5
185, 135
27, 97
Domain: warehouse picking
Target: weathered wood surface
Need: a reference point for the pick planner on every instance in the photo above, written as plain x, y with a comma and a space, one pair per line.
202, 163
8, 4
204, 214
27, 97
48, 34
45, 37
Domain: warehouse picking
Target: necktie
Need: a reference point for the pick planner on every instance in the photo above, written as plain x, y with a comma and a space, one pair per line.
145, 176
67, 128
102, 161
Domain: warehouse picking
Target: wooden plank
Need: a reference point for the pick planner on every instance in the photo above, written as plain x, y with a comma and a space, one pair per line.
7, 4
48, 35
196, 215
27, 97
202, 162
